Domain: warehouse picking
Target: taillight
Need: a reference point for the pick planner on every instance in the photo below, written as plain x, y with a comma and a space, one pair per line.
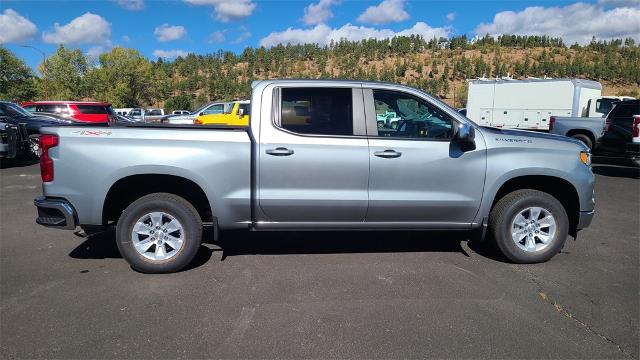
47, 141
552, 122
607, 124
635, 131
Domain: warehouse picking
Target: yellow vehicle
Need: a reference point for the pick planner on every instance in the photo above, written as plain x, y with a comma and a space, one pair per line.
235, 113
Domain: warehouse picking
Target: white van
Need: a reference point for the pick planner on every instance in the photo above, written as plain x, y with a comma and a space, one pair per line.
528, 104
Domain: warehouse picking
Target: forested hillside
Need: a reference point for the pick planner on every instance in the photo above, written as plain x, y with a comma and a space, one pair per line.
125, 78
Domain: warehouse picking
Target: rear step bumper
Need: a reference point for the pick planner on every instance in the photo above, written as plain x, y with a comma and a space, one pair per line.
55, 213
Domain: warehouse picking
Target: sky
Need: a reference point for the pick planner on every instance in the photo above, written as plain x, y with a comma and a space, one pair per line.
159, 28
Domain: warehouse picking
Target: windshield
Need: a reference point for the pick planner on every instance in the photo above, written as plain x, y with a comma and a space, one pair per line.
198, 110
12, 110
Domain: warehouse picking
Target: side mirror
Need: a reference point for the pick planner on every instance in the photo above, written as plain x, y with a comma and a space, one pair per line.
465, 136
240, 113
201, 113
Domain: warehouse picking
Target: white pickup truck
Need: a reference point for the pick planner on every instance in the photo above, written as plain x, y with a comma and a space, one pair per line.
314, 158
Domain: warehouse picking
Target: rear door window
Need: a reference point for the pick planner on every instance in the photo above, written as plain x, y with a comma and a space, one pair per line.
317, 111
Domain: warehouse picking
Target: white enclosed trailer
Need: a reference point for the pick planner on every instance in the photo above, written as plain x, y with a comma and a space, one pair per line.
528, 104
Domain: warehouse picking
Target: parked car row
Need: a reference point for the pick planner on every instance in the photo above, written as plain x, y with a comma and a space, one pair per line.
612, 135
28, 125
529, 104
221, 113
86, 111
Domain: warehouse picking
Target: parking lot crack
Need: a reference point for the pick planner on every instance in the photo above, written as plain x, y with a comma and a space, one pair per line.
564, 312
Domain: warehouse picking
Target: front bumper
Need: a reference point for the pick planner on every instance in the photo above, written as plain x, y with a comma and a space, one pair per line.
585, 219
55, 213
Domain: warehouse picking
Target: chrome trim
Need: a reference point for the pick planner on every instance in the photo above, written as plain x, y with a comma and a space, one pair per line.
585, 219
61, 205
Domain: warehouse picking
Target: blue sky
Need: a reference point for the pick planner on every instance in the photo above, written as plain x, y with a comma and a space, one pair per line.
170, 28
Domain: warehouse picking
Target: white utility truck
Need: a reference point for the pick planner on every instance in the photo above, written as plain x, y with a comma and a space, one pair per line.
528, 104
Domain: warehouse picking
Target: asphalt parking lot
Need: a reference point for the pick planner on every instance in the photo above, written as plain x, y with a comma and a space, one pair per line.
321, 295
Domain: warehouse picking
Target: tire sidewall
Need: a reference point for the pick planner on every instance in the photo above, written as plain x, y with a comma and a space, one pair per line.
503, 231
192, 234
584, 139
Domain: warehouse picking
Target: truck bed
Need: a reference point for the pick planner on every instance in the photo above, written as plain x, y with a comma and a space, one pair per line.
91, 158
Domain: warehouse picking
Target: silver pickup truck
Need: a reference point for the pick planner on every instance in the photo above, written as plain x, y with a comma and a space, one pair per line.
314, 158
586, 129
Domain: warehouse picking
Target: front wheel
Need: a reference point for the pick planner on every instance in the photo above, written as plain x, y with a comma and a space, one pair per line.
159, 233
528, 226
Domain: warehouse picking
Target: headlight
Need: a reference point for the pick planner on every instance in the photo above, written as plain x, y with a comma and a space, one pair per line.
585, 158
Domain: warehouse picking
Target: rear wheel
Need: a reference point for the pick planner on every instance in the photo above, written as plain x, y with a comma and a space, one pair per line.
529, 226
159, 233
585, 140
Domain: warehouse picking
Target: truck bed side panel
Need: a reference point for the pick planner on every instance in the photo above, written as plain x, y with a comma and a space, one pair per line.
88, 161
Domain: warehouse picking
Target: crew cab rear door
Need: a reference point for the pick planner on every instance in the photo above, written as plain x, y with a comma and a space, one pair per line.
313, 156
418, 174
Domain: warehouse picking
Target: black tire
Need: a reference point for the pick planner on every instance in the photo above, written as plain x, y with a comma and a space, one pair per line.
585, 140
504, 213
170, 204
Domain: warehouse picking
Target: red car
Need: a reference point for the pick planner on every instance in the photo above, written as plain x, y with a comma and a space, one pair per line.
87, 111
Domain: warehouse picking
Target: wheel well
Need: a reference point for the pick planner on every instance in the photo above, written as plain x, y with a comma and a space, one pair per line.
554, 186
583, 132
129, 189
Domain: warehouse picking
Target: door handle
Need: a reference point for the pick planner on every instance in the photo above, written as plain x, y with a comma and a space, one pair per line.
279, 151
388, 154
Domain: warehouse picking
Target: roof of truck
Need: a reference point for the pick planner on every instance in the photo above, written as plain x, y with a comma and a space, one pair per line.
339, 81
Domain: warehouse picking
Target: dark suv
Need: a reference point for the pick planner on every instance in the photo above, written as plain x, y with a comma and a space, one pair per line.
618, 128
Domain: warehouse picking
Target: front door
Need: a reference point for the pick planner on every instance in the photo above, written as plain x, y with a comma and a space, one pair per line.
418, 174
314, 159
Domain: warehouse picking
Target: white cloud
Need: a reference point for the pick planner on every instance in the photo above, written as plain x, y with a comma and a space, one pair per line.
216, 37
166, 32
323, 34
85, 29
318, 13
227, 10
133, 5
450, 17
386, 12
620, 3
578, 22
126, 38
170, 54
15, 28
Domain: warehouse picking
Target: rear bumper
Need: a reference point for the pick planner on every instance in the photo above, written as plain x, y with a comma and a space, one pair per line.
585, 219
55, 213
